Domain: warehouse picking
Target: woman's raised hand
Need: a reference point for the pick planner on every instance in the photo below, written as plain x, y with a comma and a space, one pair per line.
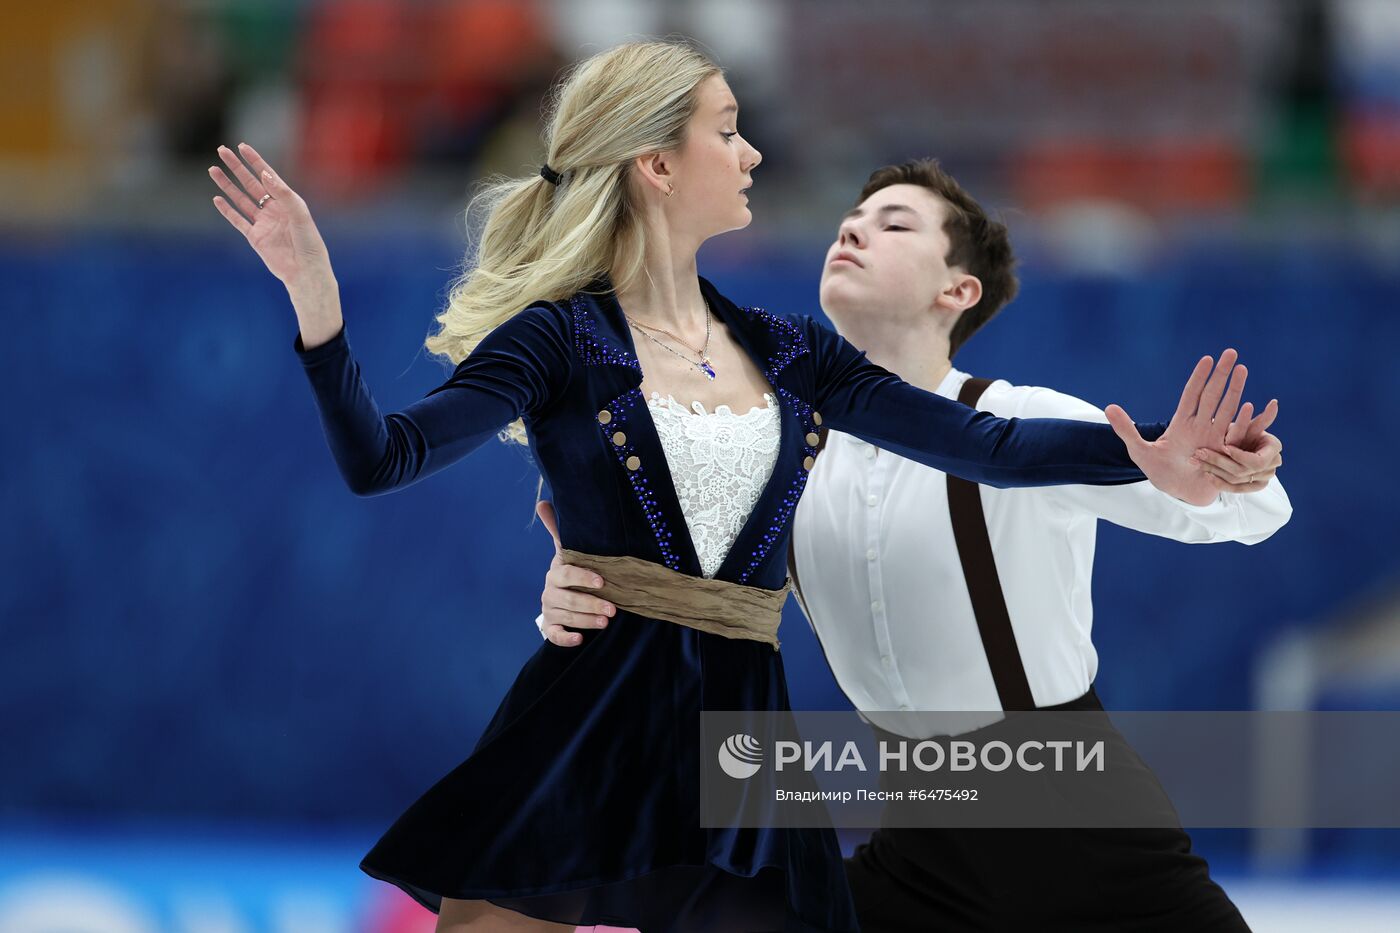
281, 232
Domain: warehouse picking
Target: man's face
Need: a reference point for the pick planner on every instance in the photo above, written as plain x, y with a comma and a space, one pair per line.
889, 257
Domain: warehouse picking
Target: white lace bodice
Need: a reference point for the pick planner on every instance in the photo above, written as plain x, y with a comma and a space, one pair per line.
720, 463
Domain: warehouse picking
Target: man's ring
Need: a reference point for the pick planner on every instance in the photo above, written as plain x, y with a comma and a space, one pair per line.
263, 199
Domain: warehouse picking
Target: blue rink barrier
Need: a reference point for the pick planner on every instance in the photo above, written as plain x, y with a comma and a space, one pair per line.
200, 622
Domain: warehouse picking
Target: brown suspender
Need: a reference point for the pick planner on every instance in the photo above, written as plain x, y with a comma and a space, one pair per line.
980, 571
983, 584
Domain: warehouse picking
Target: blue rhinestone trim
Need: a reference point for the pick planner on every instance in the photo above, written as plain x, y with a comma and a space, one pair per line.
619, 408
773, 533
591, 348
791, 343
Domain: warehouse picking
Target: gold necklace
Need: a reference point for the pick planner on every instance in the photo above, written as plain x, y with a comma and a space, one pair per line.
704, 362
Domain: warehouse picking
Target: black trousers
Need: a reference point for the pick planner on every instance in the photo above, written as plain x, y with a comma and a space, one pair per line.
1037, 880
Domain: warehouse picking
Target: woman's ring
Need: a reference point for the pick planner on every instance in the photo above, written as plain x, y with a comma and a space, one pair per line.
262, 199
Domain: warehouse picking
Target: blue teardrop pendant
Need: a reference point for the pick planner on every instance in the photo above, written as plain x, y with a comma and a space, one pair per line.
706, 368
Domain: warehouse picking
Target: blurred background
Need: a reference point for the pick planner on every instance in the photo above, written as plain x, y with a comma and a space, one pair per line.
222, 675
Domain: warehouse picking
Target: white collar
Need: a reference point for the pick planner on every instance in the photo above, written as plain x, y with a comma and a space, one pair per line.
952, 383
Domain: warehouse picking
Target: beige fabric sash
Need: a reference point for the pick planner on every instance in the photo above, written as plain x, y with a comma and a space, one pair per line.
658, 592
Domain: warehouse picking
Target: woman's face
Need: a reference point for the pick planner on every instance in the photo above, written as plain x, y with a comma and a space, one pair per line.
711, 169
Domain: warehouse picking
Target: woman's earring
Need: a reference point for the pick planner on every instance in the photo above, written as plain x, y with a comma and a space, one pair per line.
670, 189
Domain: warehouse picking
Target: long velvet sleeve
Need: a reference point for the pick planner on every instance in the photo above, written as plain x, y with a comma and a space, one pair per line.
517, 369
858, 397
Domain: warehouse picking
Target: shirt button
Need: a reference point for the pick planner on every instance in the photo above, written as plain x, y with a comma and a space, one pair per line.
873, 500
870, 554
870, 453
904, 706
886, 659
619, 438
634, 463
876, 605
604, 416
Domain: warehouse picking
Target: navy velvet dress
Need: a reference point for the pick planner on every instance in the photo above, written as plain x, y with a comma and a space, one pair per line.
580, 802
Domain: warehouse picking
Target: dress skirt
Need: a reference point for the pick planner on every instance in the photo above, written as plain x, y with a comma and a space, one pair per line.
581, 801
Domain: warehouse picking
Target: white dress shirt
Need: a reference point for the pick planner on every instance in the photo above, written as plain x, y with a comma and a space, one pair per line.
883, 587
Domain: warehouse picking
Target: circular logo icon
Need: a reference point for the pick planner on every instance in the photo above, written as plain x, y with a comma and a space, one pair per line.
741, 756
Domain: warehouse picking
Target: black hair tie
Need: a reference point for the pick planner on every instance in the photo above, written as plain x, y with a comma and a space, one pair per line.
550, 175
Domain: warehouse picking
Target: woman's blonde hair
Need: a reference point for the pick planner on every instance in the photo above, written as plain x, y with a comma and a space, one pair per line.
540, 241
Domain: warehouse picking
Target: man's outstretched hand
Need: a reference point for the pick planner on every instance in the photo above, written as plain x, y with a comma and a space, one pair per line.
1179, 462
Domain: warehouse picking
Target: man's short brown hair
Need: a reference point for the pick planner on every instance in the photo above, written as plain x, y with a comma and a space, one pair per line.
977, 244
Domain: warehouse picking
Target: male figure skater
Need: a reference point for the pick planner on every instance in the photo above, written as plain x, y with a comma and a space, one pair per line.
930, 593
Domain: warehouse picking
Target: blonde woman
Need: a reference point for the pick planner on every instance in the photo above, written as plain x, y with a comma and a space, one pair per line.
677, 431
